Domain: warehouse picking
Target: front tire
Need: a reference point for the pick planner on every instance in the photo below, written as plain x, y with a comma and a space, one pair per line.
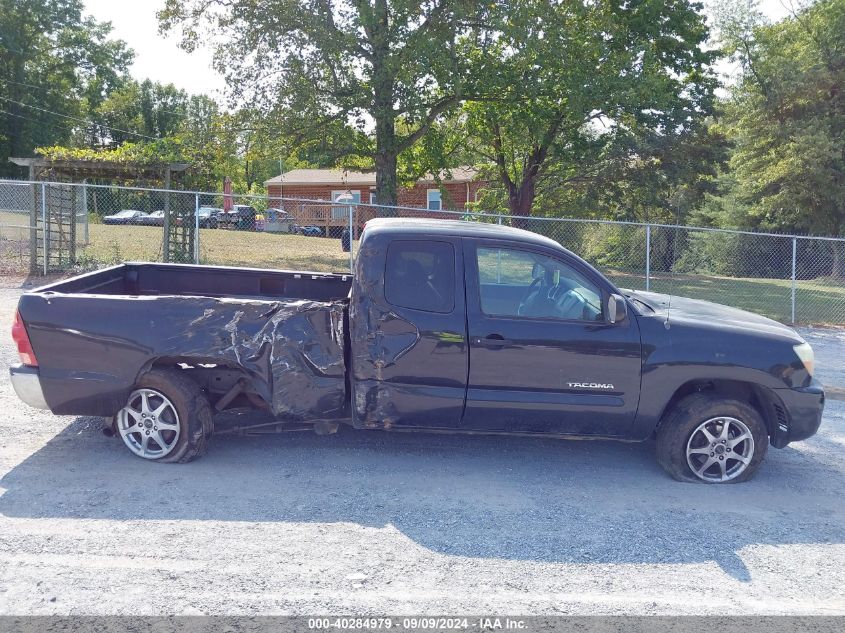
166, 418
711, 439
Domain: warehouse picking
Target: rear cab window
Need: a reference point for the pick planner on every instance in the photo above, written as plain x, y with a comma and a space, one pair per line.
420, 275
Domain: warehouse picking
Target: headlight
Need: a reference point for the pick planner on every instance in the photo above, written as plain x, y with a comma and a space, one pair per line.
805, 353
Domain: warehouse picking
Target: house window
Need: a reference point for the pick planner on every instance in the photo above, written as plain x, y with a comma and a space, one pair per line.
342, 212
372, 197
433, 200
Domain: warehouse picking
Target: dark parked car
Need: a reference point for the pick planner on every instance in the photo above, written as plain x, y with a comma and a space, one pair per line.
156, 218
241, 217
311, 231
124, 217
208, 217
446, 326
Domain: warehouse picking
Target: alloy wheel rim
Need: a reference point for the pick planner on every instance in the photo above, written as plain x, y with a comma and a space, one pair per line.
720, 449
149, 424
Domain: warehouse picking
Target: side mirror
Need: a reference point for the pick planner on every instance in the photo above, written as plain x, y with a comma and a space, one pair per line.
617, 309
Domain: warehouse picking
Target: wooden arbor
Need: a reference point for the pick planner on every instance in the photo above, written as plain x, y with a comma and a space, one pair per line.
58, 213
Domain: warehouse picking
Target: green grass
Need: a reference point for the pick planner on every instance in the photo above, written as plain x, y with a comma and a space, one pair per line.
818, 301
14, 243
112, 244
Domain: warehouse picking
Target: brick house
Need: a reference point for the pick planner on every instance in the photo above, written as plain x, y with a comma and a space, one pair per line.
324, 186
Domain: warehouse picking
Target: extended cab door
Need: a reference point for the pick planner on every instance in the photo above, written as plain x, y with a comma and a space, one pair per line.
543, 357
408, 331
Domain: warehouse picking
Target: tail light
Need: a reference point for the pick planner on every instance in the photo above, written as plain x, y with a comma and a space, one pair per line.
21, 339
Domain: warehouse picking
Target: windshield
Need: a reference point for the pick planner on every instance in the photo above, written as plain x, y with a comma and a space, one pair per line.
126, 214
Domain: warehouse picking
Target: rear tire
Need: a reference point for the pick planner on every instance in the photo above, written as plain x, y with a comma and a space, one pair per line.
183, 425
707, 438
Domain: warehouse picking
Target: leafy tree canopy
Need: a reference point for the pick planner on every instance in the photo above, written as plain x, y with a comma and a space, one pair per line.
56, 66
574, 90
786, 116
326, 64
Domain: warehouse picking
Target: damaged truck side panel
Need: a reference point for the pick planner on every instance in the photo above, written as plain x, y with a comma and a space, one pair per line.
290, 350
408, 366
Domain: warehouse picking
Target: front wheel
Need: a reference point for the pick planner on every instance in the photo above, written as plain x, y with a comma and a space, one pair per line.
712, 439
166, 418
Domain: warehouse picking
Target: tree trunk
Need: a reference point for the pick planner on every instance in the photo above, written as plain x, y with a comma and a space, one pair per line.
383, 82
386, 153
247, 166
521, 199
386, 189
247, 175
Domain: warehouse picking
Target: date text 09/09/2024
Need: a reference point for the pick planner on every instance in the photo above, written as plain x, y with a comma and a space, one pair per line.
423, 623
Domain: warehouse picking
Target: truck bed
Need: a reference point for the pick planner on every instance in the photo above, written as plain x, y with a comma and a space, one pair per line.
282, 333
147, 279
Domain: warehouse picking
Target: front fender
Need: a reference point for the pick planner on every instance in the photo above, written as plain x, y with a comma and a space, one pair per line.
682, 355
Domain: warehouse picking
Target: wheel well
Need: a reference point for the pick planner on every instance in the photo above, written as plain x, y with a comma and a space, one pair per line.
215, 379
766, 403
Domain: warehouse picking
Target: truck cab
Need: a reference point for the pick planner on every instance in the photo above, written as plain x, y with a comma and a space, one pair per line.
495, 330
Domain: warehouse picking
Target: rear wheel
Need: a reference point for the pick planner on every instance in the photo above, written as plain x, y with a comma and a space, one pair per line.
166, 418
712, 439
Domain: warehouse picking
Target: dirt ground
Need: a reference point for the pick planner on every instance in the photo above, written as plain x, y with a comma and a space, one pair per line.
374, 523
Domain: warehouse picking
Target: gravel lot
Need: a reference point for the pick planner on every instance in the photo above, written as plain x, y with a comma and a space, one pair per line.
401, 524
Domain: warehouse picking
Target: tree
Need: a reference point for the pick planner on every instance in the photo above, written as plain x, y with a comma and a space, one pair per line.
150, 110
371, 63
56, 66
569, 81
647, 177
252, 149
186, 128
786, 116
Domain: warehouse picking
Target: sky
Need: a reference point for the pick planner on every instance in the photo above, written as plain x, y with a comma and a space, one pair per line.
160, 59
156, 57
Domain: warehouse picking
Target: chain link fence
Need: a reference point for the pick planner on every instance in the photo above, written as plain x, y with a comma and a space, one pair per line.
41, 226
50, 227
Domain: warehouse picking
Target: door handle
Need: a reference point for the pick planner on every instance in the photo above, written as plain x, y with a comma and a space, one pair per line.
493, 340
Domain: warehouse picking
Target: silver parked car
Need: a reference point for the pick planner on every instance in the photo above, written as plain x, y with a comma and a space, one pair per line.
129, 216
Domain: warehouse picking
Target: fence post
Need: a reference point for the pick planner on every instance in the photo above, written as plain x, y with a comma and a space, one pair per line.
197, 228
85, 212
44, 224
165, 236
648, 257
33, 229
794, 258
351, 236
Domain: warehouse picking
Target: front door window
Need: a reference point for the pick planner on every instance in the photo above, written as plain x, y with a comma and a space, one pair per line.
517, 283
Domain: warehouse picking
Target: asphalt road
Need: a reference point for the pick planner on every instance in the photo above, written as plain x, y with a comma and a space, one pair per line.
368, 522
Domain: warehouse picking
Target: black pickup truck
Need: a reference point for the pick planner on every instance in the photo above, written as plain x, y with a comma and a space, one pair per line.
445, 326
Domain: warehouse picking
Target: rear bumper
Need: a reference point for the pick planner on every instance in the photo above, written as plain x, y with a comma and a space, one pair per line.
27, 384
804, 407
